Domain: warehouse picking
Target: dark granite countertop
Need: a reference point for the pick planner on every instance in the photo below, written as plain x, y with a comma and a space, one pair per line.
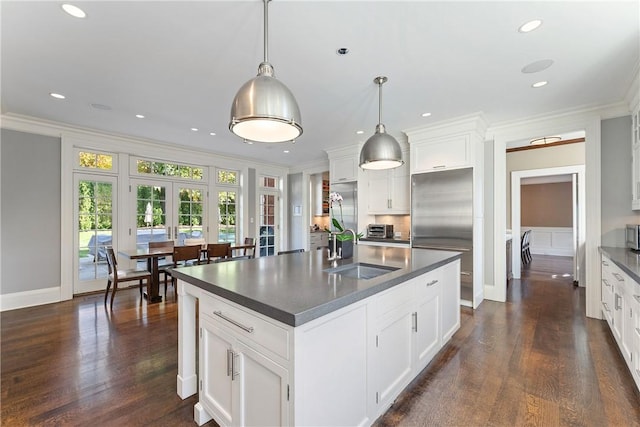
626, 259
295, 289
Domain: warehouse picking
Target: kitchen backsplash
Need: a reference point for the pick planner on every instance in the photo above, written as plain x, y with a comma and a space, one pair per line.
401, 223
321, 221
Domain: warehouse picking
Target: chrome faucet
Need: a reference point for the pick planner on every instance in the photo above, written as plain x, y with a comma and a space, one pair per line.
355, 238
336, 256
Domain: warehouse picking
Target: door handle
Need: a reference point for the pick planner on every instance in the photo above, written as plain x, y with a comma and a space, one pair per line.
175, 232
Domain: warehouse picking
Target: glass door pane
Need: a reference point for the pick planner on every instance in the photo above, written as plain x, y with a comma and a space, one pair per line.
152, 208
227, 217
191, 210
268, 224
95, 207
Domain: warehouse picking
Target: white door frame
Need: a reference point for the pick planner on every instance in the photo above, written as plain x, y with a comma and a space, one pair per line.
516, 180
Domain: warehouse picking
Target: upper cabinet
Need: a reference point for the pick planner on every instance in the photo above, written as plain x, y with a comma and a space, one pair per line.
442, 153
343, 169
635, 152
389, 190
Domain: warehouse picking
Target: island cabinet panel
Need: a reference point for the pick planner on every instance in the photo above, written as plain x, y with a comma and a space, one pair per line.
450, 297
241, 384
331, 369
427, 321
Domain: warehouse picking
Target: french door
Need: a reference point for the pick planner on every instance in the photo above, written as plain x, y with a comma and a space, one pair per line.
95, 222
269, 219
168, 211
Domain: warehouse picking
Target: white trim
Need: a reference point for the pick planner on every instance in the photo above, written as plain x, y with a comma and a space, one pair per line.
516, 178
501, 135
30, 298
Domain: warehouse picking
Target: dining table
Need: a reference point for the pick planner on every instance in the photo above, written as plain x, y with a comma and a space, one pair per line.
153, 255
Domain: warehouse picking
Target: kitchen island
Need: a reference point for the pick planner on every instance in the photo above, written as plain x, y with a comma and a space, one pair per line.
300, 340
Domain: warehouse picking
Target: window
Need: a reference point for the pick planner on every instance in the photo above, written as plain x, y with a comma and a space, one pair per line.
227, 177
268, 181
148, 167
227, 216
91, 160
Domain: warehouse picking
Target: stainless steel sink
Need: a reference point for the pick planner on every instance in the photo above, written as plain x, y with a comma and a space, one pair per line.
361, 270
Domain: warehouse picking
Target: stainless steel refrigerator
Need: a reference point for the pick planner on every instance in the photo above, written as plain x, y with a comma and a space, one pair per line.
442, 217
349, 193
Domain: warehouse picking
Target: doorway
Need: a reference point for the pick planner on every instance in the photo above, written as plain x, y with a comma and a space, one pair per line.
577, 175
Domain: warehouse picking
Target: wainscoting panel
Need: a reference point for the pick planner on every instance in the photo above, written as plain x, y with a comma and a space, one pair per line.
551, 240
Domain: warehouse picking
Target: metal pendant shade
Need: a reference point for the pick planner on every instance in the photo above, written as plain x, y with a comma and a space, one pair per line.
381, 151
264, 109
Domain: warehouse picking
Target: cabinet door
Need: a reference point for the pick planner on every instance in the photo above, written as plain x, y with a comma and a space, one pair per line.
394, 355
263, 394
607, 291
217, 384
379, 199
618, 309
343, 169
635, 358
442, 154
400, 190
427, 321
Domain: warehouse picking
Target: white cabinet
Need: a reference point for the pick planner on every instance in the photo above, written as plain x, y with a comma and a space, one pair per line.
389, 190
607, 291
240, 383
410, 329
635, 152
343, 169
624, 314
318, 240
442, 153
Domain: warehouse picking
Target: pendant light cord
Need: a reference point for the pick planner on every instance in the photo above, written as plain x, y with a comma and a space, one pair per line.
266, 30
380, 102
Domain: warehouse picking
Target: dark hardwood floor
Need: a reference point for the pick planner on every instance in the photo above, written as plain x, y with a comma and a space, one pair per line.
535, 360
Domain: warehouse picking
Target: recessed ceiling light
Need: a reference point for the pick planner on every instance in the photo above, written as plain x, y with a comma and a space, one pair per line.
540, 84
194, 129
286, 151
537, 66
212, 133
342, 51
359, 132
530, 26
140, 116
426, 114
100, 107
74, 11
57, 95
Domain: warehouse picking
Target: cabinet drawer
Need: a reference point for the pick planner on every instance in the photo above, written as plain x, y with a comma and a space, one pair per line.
395, 297
427, 285
246, 325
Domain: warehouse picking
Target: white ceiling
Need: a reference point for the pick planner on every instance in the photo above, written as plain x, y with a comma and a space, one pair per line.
180, 64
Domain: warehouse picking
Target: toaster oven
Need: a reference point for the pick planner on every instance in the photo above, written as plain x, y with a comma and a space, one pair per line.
633, 237
381, 231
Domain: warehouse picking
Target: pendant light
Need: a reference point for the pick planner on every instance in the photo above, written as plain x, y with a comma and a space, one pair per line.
264, 109
381, 151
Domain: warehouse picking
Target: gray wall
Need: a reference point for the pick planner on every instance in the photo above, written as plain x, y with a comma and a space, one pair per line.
616, 181
30, 217
296, 225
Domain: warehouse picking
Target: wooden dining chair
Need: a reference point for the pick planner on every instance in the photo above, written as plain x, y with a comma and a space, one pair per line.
190, 241
166, 264
250, 252
116, 276
525, 250
217, 251
183, 256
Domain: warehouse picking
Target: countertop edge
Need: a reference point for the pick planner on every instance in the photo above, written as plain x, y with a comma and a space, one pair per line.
613, 254
297, 319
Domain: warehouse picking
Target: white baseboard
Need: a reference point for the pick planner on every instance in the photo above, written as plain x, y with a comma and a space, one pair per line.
29, 298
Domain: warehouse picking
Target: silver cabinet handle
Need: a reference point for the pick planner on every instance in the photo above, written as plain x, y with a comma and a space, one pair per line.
606, 306
414, 316
615, 304
606, 283
233, 322
637, 297
619, 277
440, 166
234, 374
605, 263
229, 362
465, 273
433, 282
